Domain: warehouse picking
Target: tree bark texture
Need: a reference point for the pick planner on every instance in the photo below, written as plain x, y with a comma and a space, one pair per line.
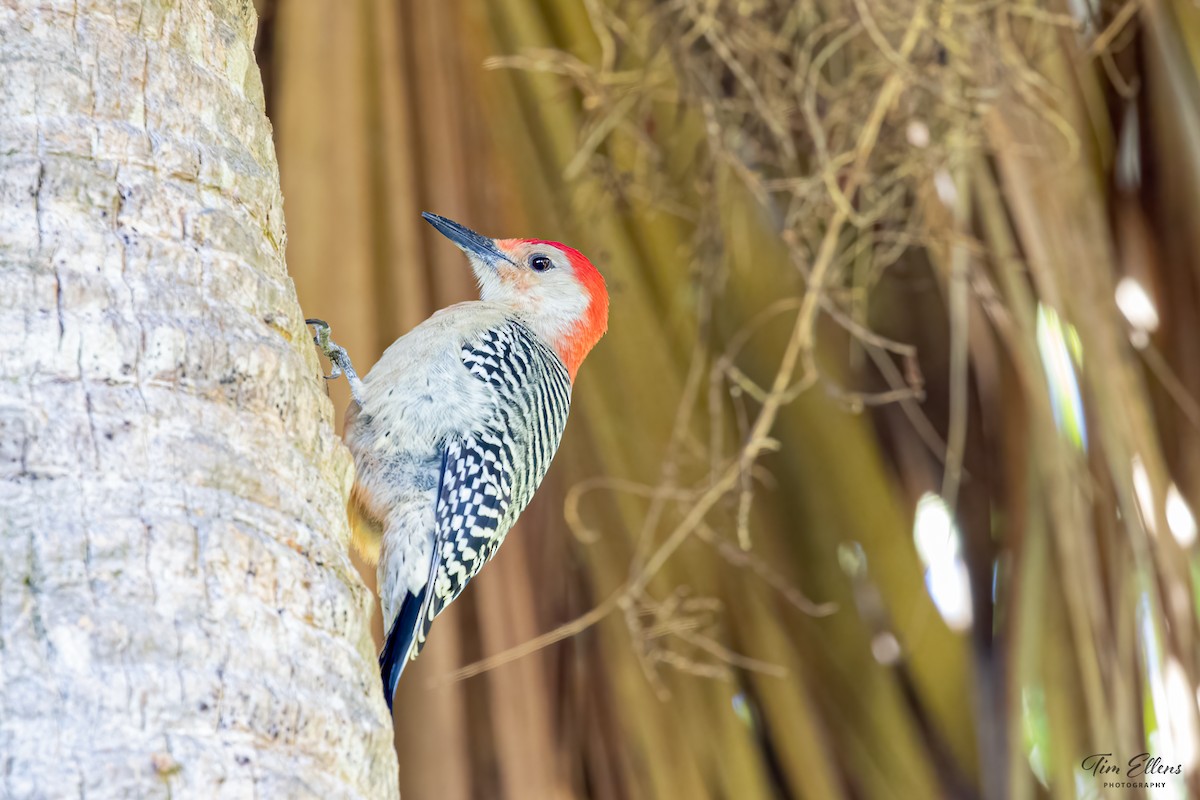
178, 612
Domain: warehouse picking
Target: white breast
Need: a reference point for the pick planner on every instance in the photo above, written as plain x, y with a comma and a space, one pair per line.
417, 395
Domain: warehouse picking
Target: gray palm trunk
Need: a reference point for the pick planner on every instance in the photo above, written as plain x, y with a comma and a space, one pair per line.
178, 612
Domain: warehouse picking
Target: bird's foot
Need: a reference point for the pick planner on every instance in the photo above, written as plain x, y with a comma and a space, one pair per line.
336, 354
339, 359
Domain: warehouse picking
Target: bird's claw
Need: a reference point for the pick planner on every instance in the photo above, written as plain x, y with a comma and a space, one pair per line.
339, 359
321, 331
322, 334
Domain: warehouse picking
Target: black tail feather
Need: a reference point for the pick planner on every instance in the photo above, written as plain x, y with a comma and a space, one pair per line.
396, 649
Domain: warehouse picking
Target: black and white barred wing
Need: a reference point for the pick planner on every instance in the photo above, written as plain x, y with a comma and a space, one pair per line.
489, 476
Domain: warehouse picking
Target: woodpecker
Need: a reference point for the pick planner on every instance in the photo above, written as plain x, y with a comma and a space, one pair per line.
454, 429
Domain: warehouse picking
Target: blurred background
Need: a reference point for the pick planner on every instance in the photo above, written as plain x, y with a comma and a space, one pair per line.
882, 483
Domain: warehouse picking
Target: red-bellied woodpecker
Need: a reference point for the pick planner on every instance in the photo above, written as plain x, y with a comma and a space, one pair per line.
454, 428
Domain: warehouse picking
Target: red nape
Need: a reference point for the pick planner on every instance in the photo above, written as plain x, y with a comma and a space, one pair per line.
583, 338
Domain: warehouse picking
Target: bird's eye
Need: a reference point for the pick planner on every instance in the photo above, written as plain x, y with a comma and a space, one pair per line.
540, 263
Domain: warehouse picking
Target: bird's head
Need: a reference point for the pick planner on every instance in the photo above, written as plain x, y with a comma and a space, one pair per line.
553, 288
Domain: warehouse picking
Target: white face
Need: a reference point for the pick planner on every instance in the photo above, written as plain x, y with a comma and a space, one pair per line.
537, 281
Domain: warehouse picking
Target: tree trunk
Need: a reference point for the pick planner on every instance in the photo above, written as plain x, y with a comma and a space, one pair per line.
178, 613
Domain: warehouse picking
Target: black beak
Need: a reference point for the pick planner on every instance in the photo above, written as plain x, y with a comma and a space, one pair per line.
468, 240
